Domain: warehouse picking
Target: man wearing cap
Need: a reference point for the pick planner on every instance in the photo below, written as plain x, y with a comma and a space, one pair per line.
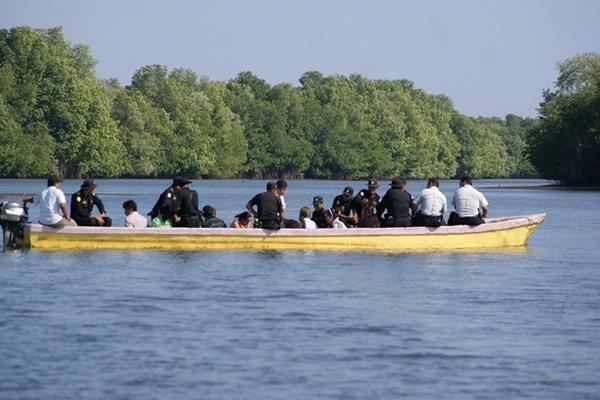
432, 205
342, 207
365, 203
82, 204
319, 214
188, 214
399, 205
169, 198
469, 203
53, 205
268, 208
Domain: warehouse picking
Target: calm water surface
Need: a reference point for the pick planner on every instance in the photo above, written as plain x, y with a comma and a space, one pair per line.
298, 325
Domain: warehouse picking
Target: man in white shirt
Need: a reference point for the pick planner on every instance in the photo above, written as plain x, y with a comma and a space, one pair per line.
53, 205
133, 219
432, 205
470, 205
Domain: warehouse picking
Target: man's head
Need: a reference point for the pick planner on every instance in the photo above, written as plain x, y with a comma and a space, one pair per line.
348, 192
53, 181
304, 212
209, 211
281, 187
88, 186
271, 187
398, 183
129, 206
318, 202
465, 180
372, 185
179, 182
433, 182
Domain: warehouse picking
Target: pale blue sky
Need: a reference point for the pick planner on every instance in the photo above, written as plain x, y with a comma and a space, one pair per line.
490, 57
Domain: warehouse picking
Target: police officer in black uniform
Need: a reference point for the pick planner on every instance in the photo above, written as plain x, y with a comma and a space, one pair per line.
169, 198
365, 203
82, 204
268, 210
188, 213
342, 207
399, 205
319, 214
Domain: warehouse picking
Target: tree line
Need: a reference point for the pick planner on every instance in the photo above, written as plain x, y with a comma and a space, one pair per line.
57, 117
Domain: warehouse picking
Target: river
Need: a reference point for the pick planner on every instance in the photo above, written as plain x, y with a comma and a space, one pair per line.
305, 324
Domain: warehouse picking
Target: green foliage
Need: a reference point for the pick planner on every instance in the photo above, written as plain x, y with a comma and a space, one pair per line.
55, 115
565, 144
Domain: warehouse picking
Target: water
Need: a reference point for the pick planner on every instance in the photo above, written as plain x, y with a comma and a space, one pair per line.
304, 324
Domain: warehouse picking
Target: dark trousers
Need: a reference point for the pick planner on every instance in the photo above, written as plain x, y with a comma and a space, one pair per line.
270, 224
189, 221
456, 220
428, 220
87, 221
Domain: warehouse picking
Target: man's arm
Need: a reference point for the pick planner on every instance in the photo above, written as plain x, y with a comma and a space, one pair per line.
63, 208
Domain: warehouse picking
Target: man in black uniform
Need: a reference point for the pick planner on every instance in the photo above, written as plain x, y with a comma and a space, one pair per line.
319, 214
82, 204
188, 214
399, 205
169, 198
342, 207
365, 203
210, 213
269, 208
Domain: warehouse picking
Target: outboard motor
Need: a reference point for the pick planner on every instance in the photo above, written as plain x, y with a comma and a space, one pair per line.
13, 218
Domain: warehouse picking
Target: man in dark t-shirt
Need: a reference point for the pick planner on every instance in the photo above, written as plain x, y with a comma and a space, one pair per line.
399, 205
268, 208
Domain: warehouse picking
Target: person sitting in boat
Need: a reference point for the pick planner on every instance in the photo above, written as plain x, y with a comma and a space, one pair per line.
399, 205
364, 205
268, 208
162, 220
169, 198
210, 218
188, 214
133, 219
82, 205
304, 219
53, 205
470, 204
241, 221
431, 204
319, 214
342, 207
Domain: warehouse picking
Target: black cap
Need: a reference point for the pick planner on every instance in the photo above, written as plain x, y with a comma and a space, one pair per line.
348, 190
181, 180
372, 183
398, 182
88, 184
317, 200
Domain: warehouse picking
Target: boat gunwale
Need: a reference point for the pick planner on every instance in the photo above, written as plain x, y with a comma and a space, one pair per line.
491, 225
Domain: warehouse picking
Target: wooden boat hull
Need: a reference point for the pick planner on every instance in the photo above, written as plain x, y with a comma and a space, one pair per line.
495, 233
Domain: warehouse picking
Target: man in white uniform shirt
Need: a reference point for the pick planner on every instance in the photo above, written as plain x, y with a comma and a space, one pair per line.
470, 205
53, 205
432, 205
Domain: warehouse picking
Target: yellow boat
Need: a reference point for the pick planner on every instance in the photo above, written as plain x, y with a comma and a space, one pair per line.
505, 232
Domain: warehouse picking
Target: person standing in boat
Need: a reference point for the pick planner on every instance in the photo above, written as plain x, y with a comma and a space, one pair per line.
432, 205
399, 205
268, 208
342, 207
364, 205
188, 214
53, 205
169, 198
281, 189
133, 219
470, 204
82, 205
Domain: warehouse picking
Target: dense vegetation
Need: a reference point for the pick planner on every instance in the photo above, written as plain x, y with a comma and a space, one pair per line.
56, 116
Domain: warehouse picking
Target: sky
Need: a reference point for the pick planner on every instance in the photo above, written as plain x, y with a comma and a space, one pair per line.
490, 57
